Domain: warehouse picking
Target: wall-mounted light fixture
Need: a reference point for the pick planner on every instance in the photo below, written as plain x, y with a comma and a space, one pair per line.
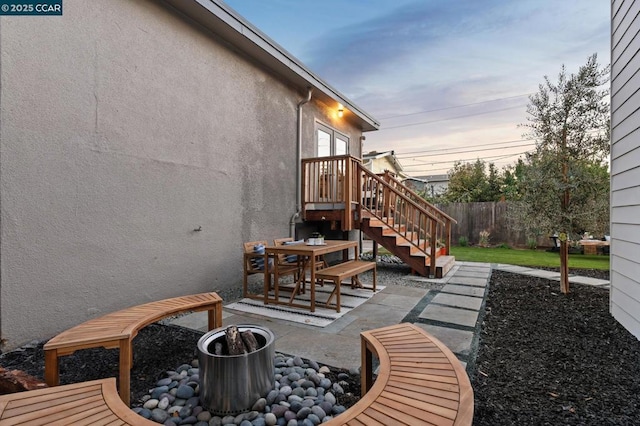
340, 110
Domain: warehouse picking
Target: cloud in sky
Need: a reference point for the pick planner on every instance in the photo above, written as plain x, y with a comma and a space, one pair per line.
430, 61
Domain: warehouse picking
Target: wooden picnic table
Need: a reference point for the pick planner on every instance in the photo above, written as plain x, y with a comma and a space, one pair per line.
309, 256
590, 246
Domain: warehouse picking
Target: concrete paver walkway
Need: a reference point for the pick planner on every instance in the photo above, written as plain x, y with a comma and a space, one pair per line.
452, 311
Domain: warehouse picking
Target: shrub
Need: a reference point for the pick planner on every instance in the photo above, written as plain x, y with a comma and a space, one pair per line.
532, 243
484, 239
504, 246
463, 241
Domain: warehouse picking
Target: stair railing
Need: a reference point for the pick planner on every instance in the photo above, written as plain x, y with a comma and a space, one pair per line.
343, 183
418, 224
442, 216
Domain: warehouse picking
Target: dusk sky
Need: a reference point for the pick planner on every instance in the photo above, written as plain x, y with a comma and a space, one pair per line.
448, 79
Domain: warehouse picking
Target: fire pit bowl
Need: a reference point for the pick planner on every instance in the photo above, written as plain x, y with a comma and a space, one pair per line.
231, 384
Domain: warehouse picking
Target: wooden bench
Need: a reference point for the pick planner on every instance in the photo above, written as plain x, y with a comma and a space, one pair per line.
117, 330
341, 271
420, 381
87, 403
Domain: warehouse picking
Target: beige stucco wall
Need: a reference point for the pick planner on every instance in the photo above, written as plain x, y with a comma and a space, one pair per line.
379, 165
123, 128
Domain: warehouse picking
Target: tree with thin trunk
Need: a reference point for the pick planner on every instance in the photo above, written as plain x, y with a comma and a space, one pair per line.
570, 122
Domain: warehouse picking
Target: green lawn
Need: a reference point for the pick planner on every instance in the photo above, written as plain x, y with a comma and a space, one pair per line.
528, 257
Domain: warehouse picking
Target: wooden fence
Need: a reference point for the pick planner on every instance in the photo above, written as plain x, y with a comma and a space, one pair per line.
474, 218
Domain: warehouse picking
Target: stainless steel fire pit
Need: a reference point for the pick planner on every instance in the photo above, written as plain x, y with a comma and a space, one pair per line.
231, 384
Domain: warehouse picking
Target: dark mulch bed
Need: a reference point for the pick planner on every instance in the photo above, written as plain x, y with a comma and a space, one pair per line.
547, 359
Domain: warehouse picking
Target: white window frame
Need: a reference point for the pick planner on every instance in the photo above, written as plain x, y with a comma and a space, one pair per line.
334, 136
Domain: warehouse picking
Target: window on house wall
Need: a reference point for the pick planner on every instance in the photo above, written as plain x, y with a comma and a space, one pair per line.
330, 142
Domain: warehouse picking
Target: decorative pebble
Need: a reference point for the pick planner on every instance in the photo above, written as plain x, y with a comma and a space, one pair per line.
163, 404
151, 404
158, 415
189, 420
259, 405
270, 419
185, 392
302, 394
204, 416
228, 420
278, 410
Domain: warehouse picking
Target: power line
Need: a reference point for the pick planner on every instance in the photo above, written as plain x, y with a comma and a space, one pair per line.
464, 147
444, 169
447, 119
494, 157
453, 107
472, 150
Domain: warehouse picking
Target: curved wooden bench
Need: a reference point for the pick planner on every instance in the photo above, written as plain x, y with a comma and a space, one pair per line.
117, 330
87, 403
420, 382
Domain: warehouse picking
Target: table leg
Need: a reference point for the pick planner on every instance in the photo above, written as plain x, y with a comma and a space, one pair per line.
267, 279
299, 287
313, 283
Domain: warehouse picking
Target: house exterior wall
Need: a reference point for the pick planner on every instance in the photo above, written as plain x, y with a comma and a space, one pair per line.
625, 165
379, 165
124, 128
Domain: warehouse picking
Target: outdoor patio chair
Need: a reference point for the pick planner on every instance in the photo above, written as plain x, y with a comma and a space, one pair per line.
285, 260
255, 262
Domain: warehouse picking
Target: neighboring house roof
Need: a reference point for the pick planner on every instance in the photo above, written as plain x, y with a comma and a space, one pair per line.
232, 27
414, 179
390, 155
434, 178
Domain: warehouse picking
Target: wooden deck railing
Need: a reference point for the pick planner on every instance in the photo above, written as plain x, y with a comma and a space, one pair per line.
444, 235
342, 183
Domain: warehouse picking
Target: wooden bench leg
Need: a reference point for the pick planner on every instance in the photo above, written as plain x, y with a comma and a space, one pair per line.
366, 375
336, 293
125, 370
51, 368
374, 279
215, 317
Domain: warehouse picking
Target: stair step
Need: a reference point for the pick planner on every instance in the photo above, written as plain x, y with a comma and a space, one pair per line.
444, 265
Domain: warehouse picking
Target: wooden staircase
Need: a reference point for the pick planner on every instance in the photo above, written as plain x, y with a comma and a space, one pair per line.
340, 189
394, 240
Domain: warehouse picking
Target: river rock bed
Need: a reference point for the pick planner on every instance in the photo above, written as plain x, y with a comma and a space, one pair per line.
302, 395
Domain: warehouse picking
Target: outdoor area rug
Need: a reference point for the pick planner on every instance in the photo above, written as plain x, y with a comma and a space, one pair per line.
323, 316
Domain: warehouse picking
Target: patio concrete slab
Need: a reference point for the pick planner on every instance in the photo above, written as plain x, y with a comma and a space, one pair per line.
463, 290
511, 268
371, 315
478, 282
472, 274
475, 264
338, 350
397, 302
458, 301
450, 315
459, 341
338, 344
589, 281
550, 275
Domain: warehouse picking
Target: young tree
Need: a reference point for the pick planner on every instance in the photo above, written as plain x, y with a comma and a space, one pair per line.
468, 182
570, 122
512, 177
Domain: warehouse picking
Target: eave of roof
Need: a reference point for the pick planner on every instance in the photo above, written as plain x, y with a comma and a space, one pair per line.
233, 28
